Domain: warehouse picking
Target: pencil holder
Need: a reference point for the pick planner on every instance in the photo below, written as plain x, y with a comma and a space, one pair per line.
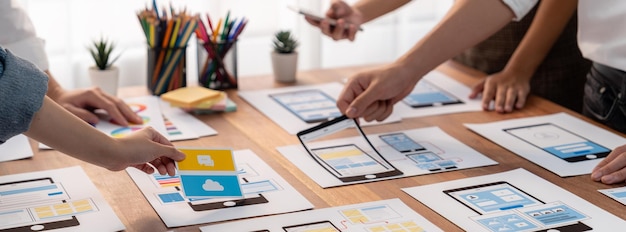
166, 69
217, 65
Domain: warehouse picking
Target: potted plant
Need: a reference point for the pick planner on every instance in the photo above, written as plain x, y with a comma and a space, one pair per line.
285, 56
104, 74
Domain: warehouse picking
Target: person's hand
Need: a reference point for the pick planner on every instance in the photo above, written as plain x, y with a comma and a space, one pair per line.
612, 169
144, 149
508, 91
372, 94
348, 21
82, 102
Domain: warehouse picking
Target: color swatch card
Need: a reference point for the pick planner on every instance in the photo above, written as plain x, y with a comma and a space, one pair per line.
146, 107
208, 173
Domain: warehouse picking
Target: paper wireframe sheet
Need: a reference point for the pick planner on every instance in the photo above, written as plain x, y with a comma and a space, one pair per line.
450, 96
442, 153
16, 148
181, 125
63, 199
384, 215
300, 107
559, 142
515, 200
265, 193
617, 194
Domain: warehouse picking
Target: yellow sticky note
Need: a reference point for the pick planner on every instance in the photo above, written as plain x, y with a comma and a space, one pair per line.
207, 160
189, 96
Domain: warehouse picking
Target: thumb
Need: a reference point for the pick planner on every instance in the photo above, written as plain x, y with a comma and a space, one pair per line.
477, 89
165, 148
360, 103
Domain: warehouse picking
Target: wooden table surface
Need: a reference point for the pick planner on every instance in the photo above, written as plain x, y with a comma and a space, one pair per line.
248, 128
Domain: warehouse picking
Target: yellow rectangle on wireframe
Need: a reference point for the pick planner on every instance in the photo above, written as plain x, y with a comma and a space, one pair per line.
207, 160
339, 154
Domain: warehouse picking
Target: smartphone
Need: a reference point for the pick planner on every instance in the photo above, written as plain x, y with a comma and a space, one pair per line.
355, 160
314, 16
426, 94
21, 198
325, 226
401, 142
311, 106
492, 197
559, 142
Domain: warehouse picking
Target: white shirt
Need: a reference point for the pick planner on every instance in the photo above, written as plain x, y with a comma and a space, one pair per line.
602, 31
17, 34
520, 7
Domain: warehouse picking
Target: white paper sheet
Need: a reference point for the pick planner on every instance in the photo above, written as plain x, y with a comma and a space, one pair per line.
15, 148
384, 215
449, 85
176, 211
432, 138
434, 197
262, 101
617, 194
71, 185
494, 131
180, 125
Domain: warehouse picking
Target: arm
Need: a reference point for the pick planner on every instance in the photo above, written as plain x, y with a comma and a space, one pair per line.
372, 94
510, 87
84, 142
349, 19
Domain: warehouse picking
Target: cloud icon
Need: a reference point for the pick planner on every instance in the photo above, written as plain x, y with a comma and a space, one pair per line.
205, 160
210, 185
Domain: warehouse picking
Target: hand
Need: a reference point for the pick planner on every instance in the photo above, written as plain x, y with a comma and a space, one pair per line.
146, 146
612, 169
508, 91
372, 94
82, 102
348, 21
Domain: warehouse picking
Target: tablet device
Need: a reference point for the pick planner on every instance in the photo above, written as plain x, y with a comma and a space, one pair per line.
426, 94
355, 160
311, 106
559, 142
19, 200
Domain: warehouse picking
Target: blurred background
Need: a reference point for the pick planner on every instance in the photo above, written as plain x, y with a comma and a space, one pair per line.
69, 26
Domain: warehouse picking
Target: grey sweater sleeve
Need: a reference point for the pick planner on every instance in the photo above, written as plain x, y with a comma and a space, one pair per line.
22, 89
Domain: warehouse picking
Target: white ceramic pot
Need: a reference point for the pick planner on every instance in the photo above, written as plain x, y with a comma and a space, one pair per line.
106, 80
285, 66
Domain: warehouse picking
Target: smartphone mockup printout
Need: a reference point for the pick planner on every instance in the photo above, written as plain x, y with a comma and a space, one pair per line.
321, 226
401, 142
426, 94
492, 197
252, 196
350, 157
22, 206
311, 106
559, 142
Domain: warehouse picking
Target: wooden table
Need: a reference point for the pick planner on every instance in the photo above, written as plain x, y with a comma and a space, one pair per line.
248, 128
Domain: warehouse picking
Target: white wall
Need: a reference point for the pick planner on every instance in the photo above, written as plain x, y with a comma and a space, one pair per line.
68, 26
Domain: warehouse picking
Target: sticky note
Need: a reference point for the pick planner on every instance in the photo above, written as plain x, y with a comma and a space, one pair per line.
190, 96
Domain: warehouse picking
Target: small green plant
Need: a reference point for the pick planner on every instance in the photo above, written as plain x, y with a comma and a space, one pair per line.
101, 53
284, 42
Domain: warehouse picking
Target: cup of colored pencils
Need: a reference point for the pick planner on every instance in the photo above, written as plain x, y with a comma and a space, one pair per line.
167, 34
217, 52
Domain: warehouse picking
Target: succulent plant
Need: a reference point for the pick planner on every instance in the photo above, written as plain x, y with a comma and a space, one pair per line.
101, 53
284, 42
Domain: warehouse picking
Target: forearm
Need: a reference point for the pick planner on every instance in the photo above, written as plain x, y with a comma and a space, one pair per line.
54, 88
551, 18
467, 23
65, 132
371, 9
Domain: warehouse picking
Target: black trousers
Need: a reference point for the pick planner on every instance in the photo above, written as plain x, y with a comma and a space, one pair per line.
605, 96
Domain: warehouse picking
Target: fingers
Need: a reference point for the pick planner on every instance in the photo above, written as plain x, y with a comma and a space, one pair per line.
613, 172
352, 89
83, 114
477, 89
489, 94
